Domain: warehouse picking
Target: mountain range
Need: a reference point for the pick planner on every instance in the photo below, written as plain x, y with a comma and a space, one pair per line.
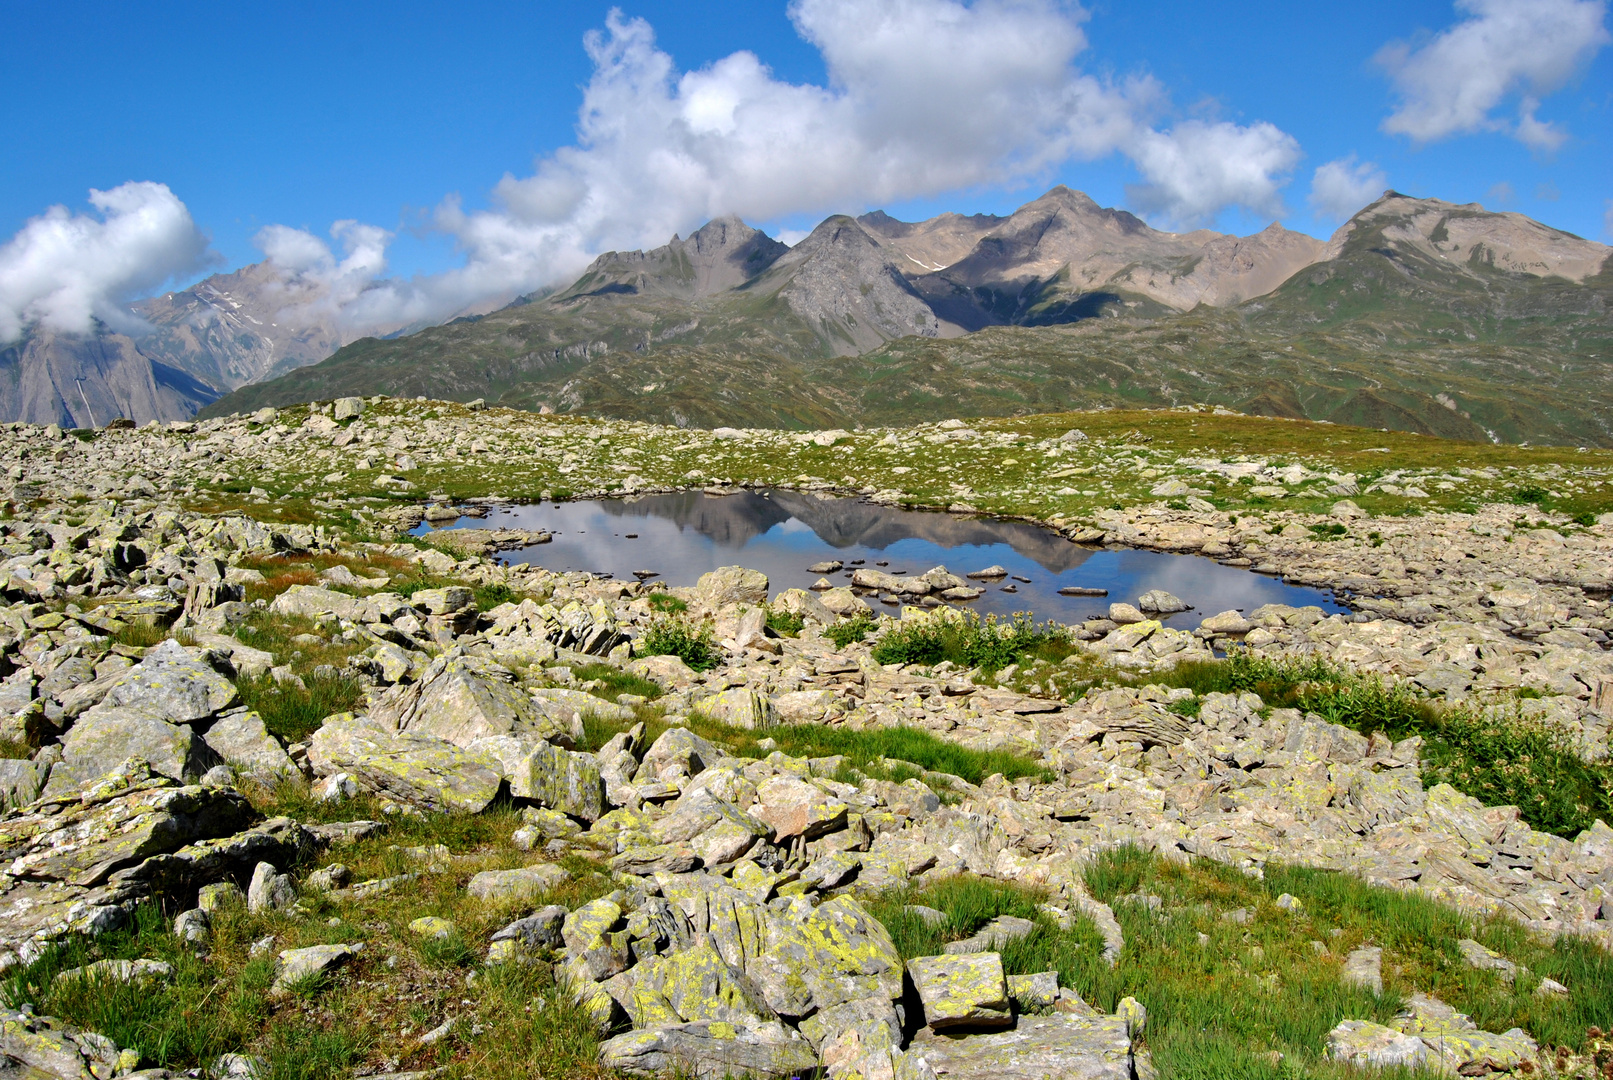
1417, 314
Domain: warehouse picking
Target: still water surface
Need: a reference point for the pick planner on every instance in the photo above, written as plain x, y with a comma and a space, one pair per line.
682, 535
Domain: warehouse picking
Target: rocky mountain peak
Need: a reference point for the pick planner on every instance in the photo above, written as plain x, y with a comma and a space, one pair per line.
1466, 234
844, 284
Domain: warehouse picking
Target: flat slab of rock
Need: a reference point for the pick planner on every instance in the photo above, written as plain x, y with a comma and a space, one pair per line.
522, 883
1058, 1047
961, 991
711, 1051
1364, 968
429, 773
298, 965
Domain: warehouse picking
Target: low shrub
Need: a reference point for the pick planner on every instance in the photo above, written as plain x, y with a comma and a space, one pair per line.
852, 630
1512, 760
964, 638
673, 635
785, 623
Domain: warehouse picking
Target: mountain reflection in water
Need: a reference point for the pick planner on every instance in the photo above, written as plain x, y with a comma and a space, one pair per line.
684, 534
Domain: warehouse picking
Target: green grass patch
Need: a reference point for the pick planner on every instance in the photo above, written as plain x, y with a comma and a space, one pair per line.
609, 682
295, 712
674, 635
785, 623
15, 750
491, 596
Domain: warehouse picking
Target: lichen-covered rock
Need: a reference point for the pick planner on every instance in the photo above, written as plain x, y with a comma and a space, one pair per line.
429, 773
1057, 1047
244, 742
1363, 1043
298, 966
738, 707
561, 780
710, 1051
105, 736
522, 883
693, 984
174, 683
731, 585
967, 991
794, 807
461, 699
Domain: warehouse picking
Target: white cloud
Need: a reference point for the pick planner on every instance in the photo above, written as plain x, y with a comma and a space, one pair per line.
315, 283
1196, 169
1342, 186
63, 270
1503, 49
923, 97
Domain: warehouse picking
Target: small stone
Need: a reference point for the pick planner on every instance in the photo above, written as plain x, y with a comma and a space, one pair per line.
433, 928
270, 891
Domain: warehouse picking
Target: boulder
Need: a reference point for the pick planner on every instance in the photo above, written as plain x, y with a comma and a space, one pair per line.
173, 683
802, 603
669, 671
793, 807
961, 991
461, 699
802, 706
678, 749
302, 965
270, 890
521, 884
1057, 1047
1367, 1045
1227, 622
20, 782
710, 1051
561, 780
1364, 968
242, 740
347, 407
105, 736
843, 602
429, 773
739, 707
731, 585
312, 601
1160, 602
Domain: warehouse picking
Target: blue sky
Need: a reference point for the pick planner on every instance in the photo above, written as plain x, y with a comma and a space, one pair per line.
302, 115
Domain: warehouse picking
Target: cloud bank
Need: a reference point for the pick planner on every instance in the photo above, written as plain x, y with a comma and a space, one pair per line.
1342, 186
1504, 51
63, 270
923, 97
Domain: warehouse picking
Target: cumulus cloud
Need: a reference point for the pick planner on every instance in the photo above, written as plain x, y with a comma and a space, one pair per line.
1342, 186
1196, 169
316, 284
64, 270
922, 97
1503, 51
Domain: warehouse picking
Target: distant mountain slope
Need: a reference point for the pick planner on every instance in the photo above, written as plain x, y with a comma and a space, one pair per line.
1417, 315
86, 380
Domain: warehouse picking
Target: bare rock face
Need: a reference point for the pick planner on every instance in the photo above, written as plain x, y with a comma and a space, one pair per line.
88, 380
841, 282
1461, 233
